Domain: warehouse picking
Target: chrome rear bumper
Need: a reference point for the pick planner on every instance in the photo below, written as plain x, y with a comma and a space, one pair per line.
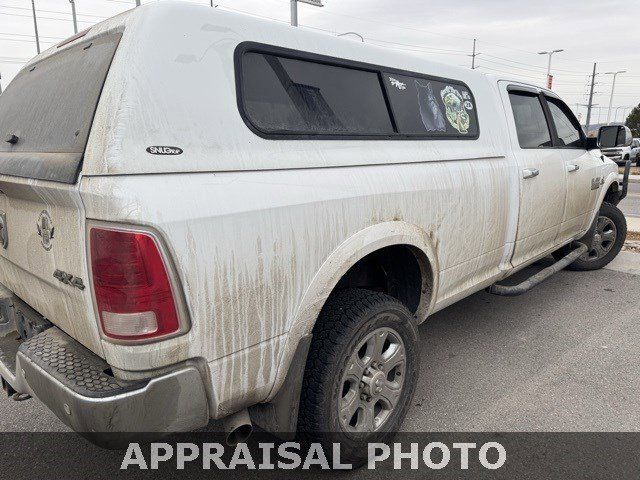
80, 389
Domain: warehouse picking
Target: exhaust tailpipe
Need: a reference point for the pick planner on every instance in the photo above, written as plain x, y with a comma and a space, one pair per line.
238, 427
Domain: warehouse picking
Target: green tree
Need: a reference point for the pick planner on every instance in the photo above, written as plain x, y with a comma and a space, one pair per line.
633, 121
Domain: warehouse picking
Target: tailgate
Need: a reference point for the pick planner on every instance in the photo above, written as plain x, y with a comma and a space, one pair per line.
46, 115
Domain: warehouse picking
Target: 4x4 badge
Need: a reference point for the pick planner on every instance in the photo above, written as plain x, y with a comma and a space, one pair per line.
45, 229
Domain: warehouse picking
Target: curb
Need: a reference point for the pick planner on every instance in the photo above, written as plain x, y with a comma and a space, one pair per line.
633, 224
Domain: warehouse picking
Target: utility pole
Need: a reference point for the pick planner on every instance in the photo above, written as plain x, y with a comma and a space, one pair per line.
294, 13
593, 84
589, 109
137, 3
294, 9
613, 88
0, 84
474, 55
35, 25
549, 77
73, 14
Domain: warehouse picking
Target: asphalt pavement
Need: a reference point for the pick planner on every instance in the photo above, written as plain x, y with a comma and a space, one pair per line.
564, 357
631, 205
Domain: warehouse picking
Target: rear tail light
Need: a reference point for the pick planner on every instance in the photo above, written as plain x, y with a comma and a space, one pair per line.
132, 287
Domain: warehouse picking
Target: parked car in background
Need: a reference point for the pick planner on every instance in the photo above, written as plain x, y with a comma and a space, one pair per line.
635, 151
268, 232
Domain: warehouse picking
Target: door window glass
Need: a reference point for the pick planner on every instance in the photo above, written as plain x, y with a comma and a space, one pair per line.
531, 123
566, 124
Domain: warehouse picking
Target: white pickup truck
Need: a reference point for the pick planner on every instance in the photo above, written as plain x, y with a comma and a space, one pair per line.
206, 215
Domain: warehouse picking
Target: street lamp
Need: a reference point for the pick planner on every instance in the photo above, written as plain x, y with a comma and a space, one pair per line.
294, 9
549, 80
35, 25
613, 87
73, 14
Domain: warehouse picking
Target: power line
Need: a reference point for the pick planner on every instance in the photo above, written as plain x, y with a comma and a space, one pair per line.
40, 17
54, 11
30, 35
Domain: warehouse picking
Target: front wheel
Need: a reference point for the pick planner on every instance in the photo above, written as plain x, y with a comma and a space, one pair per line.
611, 232
361, 372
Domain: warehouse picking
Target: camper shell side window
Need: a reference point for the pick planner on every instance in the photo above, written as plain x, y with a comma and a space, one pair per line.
289, 94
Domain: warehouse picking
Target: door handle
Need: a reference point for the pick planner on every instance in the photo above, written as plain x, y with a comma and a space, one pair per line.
573, 167
530, 172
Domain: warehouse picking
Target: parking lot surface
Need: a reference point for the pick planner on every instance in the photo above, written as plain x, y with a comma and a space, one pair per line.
631, 205
564, 357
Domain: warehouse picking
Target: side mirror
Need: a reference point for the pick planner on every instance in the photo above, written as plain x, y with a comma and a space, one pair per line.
612, 136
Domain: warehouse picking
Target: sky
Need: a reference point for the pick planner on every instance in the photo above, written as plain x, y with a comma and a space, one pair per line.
509, 34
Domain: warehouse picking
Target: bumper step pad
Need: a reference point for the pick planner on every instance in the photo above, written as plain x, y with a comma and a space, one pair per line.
73, 365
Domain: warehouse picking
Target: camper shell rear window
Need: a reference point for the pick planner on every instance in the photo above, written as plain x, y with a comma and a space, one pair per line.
47, 111
288, 94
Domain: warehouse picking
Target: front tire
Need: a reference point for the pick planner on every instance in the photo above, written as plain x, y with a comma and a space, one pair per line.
361, 372
611, 232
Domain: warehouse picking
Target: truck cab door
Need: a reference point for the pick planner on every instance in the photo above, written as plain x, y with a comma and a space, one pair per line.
584, 170
542, 172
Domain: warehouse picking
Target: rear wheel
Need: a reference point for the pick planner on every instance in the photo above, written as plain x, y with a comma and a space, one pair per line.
361, 372
611, 232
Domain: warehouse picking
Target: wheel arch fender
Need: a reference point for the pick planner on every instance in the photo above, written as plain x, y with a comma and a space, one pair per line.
347, 254
610, 180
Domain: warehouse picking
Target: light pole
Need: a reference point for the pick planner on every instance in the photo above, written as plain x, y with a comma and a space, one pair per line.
35, 25
73, 14
474, 55
613, 87
294, 9
137, 3
549, 80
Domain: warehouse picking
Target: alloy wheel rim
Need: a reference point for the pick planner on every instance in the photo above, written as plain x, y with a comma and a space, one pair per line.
372, 384
603, 239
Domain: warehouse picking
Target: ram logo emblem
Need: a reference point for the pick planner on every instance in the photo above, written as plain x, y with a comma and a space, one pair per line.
46, 229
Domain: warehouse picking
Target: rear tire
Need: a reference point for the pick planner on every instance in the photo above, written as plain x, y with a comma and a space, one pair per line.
611, 233
361, 372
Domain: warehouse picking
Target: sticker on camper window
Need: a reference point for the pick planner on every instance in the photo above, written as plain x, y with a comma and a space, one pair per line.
454, 109
431, 107
397, 83
430, 112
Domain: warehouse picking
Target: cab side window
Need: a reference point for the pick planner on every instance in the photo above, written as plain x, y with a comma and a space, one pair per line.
567, 127
531, 123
